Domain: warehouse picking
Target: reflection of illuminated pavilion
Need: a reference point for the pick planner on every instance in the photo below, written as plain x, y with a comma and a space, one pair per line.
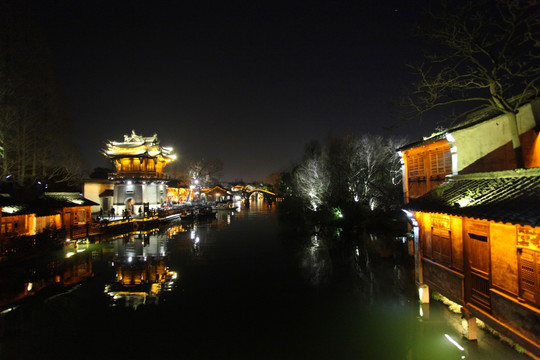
141, 271
139, 180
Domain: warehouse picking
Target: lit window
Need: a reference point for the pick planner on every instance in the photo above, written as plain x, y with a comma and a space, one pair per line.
529, 266
441, 161
416, 166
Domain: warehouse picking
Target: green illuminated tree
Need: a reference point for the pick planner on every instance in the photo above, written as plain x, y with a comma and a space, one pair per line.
482, 53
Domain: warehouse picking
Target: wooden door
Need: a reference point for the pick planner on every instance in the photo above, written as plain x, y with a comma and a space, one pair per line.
478, 279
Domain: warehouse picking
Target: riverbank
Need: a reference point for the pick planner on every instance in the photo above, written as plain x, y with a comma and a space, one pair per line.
25, 248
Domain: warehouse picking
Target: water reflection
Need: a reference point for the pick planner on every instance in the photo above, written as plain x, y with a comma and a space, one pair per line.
141, 272
315, 265
231, 287
137, 263
196, 242
64, 269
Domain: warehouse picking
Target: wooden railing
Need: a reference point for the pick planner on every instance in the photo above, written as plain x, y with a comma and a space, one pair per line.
138, 175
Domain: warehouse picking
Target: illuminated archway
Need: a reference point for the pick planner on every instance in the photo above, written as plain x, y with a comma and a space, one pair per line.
261, 194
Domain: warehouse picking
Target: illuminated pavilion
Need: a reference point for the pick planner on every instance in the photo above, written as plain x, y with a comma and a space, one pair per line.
139, 180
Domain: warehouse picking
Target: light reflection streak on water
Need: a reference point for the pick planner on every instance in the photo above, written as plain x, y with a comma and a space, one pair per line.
454, 342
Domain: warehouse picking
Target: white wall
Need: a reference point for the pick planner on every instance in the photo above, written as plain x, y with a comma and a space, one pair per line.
477, 141
92, 189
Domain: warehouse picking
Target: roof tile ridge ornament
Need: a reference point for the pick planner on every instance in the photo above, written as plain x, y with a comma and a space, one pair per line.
139, 146
133, 137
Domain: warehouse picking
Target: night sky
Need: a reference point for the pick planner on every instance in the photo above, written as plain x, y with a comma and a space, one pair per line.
247, 82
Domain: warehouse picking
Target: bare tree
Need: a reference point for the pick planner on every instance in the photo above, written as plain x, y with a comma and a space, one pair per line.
311, 181
362, 170
338, 154
33, 127
205, 172
374, 173
485, 54
177, 170
380, 171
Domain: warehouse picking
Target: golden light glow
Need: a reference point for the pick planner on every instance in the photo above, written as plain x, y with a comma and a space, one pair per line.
139, 153
156, 288
122, 150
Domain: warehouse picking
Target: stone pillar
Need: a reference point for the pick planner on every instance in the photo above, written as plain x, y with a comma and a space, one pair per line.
423, 293
470, 328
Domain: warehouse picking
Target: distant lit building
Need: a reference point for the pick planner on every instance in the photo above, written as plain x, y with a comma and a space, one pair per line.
139, 181
217, 194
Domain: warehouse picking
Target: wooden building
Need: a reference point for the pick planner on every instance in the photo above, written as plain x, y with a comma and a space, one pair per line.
479, 144
73, 208
478, 243
476, 221
217, 194
62, 214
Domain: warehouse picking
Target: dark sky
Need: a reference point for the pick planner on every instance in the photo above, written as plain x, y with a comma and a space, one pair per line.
248, 82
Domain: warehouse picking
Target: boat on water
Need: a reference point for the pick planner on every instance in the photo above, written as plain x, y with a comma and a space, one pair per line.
205, 212
169, 213
226, 206
187, 214
198, 212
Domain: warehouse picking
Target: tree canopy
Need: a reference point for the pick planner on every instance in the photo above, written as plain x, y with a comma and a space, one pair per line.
480, 54
350, 171
34, 129
485, 53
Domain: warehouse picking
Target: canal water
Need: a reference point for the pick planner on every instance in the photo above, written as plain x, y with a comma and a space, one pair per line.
242, 286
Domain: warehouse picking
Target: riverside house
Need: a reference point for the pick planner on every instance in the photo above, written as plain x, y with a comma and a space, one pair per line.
476, 223
51, 217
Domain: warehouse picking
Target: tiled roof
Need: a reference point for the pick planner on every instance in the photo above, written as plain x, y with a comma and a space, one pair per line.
216, 188
511, 196
426, 140
47, 204
6, 200
10, 207
68, 199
